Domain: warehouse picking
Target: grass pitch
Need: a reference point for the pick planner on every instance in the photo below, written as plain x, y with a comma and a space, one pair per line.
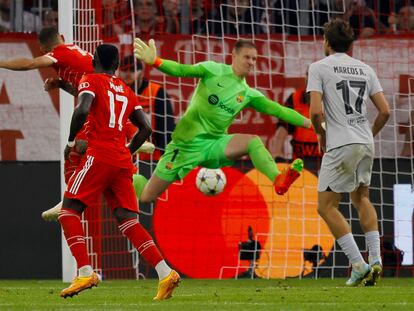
194, 295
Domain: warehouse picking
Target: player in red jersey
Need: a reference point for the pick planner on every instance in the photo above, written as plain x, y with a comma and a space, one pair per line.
108, 103
69, 60
70, 63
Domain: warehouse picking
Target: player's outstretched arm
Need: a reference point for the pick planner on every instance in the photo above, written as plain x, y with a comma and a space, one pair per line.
267, 106
23, 64
139, 119
148, 54
383, 115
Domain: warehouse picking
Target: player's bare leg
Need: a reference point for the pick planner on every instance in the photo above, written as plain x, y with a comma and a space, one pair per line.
52, 213
369, 224
151, 190
328, 203
252, 145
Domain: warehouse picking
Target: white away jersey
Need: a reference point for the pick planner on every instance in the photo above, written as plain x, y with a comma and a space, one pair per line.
346, 83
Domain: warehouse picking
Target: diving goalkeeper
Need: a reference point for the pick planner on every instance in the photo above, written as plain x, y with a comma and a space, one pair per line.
200, 138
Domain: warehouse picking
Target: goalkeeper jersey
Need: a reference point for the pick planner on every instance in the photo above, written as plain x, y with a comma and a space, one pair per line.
218, 98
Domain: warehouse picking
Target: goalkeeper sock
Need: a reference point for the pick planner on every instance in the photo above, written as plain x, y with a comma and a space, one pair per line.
75, 237
350, 248
139, 182
141, 240
262, 159
374, 250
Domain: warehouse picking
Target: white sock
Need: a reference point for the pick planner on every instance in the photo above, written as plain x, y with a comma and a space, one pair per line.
374, 249
85, 271
350, 248
162, 269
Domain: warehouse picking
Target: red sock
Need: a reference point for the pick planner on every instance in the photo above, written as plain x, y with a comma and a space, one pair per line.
142, 241
72, 228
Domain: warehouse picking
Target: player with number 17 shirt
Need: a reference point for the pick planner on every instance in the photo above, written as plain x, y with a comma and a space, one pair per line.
105, 132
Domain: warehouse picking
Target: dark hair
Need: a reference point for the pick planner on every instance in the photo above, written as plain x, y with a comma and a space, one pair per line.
48, 36
107, 56
127, 63
339, 35
243, 43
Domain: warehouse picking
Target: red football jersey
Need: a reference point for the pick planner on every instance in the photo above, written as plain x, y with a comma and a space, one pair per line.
71, 62
106, 129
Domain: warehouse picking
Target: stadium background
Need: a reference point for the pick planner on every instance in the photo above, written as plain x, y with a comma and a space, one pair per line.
189, 228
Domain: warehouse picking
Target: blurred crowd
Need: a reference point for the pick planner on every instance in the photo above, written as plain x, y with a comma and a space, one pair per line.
217, 18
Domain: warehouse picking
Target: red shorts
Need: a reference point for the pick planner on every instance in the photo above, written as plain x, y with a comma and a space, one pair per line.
71, 164
93, 177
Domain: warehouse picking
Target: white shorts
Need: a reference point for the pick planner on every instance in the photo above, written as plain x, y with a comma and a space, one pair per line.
345, 168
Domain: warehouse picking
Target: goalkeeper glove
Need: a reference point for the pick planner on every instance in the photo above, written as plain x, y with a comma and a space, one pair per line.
144, 52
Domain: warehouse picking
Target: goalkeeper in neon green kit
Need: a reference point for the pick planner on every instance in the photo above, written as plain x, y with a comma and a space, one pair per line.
200, 138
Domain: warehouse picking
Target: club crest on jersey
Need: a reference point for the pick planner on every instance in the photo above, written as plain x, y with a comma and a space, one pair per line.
83, 85
239, 99
169, 166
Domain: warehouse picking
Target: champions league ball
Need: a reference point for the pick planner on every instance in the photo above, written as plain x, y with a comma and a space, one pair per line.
210, 181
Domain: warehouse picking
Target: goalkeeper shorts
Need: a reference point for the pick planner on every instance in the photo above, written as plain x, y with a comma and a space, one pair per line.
181, 157
345, 168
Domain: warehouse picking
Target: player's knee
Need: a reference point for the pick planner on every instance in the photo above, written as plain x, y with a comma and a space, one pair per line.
321, 211
147, 197
122, 214
251, 137
324, 210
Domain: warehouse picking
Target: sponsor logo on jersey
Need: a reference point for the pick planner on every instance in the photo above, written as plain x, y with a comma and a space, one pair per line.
219, 85
213, 99
84, 85
225, 108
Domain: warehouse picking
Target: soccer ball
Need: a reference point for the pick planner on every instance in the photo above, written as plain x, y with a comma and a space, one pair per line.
210, 181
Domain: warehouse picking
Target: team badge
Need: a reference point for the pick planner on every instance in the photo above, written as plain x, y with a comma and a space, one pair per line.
239, 98
169, 166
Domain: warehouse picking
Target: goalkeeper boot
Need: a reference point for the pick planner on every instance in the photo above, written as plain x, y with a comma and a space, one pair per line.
167, 285
376, 274
288, 176
79, 284
360, 276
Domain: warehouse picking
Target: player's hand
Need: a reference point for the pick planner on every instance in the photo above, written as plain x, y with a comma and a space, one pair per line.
51, 83
146, 147
67, 151
321, 143
144, 52
81, 145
